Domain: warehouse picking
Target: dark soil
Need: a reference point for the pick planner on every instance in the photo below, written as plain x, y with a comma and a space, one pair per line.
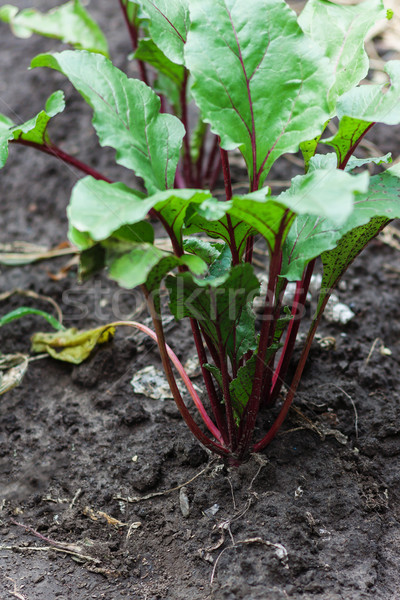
315, 517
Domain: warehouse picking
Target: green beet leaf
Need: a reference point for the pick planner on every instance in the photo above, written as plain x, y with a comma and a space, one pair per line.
259, 81
172, 206
147, 264
312, 236
340, 31
34, 130
99, 208
374, 103
147, 51
70, 23
210, 218
241, 387
354, 162
220, 304
262, 213
126, 115
324, 192
208, 251
372, 211
362, 106
95, 256
346, 138
169, 24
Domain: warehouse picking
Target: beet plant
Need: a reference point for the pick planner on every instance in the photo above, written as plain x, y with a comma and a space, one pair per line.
218, 76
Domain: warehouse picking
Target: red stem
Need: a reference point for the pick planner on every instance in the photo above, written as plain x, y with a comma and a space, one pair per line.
194, 428
211, 159
294, 385
212, 395
67, 158
293, 328
176, 362
253, 404
187, 161
232, 429
228, 193
349, 154
133, 32
215, 174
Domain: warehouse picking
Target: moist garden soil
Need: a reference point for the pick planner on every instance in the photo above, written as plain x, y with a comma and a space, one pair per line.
83, 459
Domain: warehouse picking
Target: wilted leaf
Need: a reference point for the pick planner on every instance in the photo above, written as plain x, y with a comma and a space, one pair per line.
12, 370
71, 345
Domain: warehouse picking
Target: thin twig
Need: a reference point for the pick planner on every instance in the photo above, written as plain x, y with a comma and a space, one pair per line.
133, 499
370, 353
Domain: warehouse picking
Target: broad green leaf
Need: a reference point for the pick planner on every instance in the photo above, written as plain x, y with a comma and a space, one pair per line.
259, 81
134, 233
324, 192
134, 13
25, 311
166, 87
221, 265
208, 251
241, 387
95, 256
220, 305
195, 264
132, 268
374, 103
308, 150
172, 206
169, 24
126, 115
70, 23
99, 208
34, 130
346, 138
323, 161
219, 229
312, 236
372, 211
146, 264
80, 239
340, 31
308, 237
148, 52
335, 262
363, 106
72, 345
263, 214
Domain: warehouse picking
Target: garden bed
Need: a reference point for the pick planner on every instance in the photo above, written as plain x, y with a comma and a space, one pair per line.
315, 516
